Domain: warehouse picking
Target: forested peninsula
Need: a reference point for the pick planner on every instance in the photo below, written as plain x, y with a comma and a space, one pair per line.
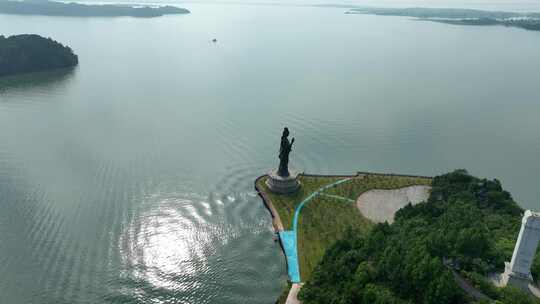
529, 21
464, 232
33, 53
52, 8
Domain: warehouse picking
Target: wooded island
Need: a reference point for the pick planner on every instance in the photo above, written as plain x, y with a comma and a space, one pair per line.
33, 53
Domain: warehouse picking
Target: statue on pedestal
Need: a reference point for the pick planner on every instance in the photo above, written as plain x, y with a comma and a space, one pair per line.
284, 151
283, 181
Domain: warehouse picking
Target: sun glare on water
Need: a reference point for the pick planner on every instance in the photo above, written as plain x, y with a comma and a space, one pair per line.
165, 245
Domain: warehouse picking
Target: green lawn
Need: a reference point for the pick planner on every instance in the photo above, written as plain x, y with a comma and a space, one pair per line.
323, 220
358, 185
286, 203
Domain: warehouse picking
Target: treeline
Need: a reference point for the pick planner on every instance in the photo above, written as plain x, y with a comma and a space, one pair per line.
33, 53
53, 8
443, 13
528, 24
529, 21
468, 226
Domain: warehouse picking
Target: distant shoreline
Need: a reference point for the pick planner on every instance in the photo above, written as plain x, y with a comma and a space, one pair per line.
72, 9
456, 16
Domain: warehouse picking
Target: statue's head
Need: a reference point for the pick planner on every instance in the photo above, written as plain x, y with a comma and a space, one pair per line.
285, 132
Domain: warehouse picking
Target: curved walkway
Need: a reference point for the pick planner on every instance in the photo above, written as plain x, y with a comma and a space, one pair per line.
289, 237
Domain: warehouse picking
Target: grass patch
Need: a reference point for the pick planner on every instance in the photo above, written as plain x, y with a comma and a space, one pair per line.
285, 204
324, 219
358, 185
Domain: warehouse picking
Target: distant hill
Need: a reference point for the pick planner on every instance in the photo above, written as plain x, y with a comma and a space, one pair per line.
529, 21
33, 53
52, 8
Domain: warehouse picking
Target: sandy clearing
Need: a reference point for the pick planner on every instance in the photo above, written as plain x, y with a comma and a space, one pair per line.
381, 205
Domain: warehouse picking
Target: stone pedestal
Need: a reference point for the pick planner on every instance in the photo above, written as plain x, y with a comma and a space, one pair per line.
283, 185
516, 279
523, 282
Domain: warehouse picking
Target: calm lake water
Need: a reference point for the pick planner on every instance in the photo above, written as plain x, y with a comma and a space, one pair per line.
129, 179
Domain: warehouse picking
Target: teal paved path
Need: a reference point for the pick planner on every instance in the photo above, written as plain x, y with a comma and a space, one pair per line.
289, 237
339, 197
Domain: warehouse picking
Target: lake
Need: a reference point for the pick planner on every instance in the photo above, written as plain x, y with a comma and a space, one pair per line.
130, 178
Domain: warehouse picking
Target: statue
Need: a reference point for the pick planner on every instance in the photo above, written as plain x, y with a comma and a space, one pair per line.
283, 181
284, 151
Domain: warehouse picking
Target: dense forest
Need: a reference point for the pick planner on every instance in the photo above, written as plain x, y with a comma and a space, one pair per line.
33, 53
467, 228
